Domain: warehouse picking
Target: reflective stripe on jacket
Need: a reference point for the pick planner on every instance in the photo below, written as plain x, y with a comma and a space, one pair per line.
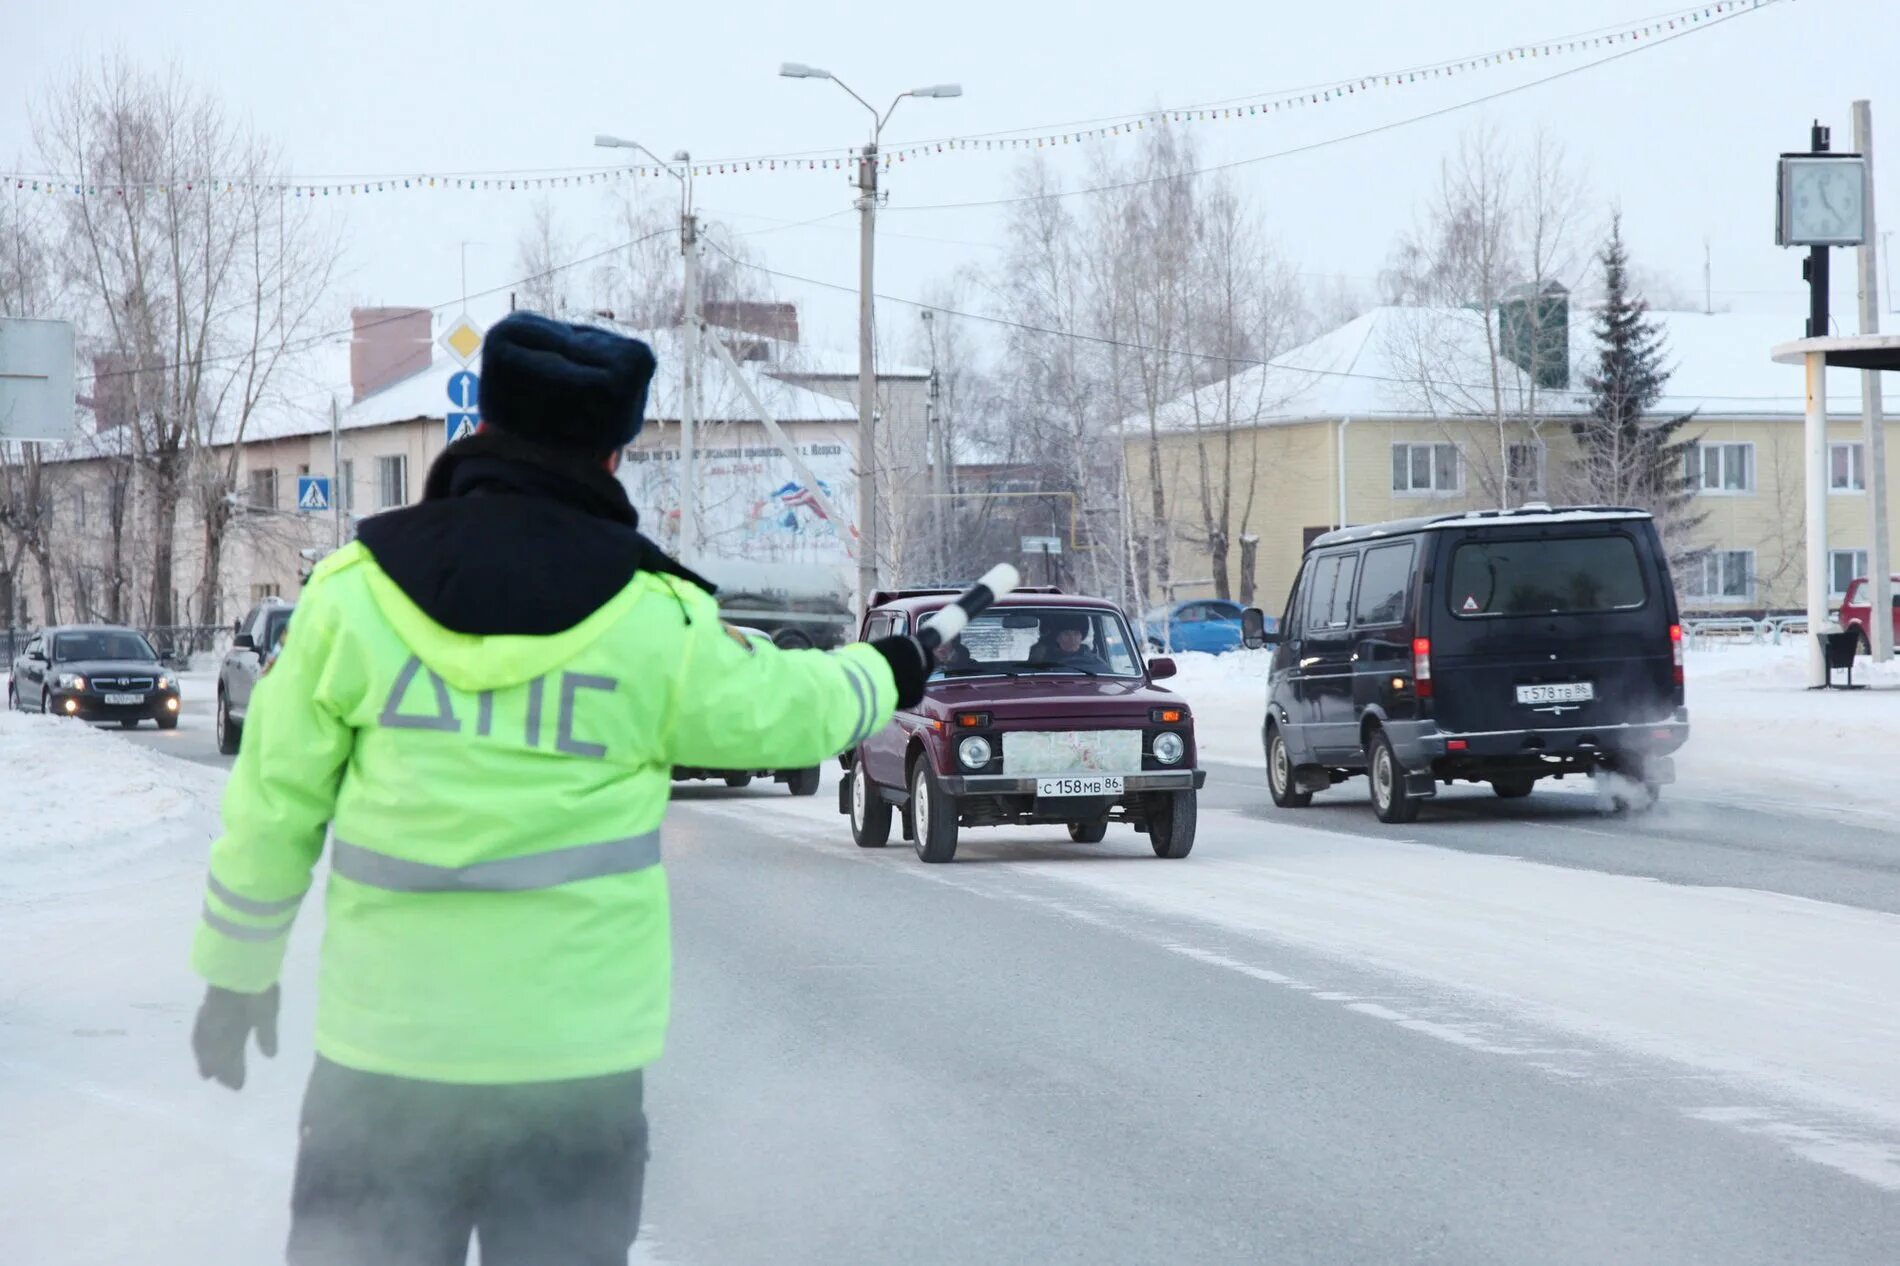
497, 909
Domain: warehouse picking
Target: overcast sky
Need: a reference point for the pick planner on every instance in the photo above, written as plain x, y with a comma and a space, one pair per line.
1683, 135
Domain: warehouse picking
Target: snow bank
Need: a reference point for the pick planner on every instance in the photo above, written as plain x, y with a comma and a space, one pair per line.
75, 798
1754, 723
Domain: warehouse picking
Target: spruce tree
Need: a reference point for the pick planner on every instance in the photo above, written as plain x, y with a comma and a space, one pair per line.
1629, 457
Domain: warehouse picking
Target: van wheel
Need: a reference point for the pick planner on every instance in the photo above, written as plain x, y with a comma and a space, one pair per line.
933, 814
1089, 832
803, 782
1171, 822
870, 812
1286, 793
1512, 788
1390, 801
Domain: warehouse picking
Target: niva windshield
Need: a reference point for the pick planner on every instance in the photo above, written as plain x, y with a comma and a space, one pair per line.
1564, 576
1041, 640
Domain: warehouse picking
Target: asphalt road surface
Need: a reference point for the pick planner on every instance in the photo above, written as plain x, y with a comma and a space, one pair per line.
877, 1061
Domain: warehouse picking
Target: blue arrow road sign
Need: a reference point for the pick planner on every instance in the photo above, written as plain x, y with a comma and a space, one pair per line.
464, 390
313, 492
460, 426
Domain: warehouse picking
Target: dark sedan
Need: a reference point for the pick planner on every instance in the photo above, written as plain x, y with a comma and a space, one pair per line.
95, 673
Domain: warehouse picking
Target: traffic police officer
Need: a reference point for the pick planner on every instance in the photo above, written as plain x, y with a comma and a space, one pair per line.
481, 699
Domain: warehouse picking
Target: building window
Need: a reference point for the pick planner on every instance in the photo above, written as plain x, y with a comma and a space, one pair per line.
1844, 567
1845, 470
1426, 468
392, 480
262, 591
264, 489
1722, 468
1723, 575
1524, 469
345, 490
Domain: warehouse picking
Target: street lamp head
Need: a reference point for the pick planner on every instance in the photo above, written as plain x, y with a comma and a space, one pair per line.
681, 156
938, 90
799, 70
603, 141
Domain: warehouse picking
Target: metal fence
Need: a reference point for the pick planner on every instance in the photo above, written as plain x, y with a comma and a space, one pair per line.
173, 641
1770, 630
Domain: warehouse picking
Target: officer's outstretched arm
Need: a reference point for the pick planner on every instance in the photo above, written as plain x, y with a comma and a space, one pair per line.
740, 706
277, 805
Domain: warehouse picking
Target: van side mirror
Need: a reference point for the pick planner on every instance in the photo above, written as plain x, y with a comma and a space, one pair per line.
1160, 668
1253, 630
244, 642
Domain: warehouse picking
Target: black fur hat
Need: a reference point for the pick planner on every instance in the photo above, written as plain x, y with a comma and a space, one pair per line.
564, 386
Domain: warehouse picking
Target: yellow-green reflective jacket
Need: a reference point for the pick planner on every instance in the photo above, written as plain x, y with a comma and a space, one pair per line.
496, 909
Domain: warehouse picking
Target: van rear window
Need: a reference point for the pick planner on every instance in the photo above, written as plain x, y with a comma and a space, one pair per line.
1567, 575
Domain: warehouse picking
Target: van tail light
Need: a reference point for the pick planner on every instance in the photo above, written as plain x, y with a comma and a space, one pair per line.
1422, 667
1675, 650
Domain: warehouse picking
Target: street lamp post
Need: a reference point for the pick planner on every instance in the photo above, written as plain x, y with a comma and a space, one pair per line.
867, 373
689, 339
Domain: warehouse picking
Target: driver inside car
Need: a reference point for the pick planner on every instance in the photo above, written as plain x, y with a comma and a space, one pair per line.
1062, 645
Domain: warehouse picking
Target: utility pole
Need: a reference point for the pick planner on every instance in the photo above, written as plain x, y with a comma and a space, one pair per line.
1814, 272
689, 384
867, 376
939, 456
689, 337
1872, 417
336, 469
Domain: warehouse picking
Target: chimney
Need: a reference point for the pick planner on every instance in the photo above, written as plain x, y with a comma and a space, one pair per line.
747, 316
112, 391
388, 345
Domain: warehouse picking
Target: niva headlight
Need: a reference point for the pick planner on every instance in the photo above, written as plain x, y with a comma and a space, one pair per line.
1169, 748
974, 751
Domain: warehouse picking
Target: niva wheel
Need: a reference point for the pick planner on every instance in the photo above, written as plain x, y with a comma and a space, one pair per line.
870, 811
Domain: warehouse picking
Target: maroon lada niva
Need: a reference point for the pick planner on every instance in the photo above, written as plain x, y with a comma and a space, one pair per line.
1043, 711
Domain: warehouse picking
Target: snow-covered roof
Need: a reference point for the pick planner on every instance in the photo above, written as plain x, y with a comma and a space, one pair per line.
1413, 362
315, 374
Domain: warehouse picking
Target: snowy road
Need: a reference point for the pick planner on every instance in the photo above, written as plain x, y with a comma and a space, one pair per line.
1314, 1040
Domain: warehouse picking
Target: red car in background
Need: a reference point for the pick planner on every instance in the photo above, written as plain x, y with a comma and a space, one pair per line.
1857, 611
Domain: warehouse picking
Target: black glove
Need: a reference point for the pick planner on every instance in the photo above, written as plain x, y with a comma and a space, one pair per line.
225, 1020
910, 667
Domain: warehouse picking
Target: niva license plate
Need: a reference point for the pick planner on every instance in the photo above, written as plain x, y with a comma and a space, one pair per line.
124, 701
1557, 692
1086, 785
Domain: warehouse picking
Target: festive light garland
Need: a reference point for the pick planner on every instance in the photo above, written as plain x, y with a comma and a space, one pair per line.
1128, 126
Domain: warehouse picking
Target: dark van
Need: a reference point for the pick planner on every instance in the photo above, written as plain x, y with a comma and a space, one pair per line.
1494, 646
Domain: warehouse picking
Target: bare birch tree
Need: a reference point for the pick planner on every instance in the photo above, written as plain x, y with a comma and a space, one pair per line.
195, 281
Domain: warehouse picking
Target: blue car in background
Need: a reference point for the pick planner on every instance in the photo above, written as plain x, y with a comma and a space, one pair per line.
1195, 624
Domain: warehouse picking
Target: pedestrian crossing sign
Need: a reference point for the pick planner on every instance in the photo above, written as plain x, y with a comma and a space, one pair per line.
313, 492
460, 426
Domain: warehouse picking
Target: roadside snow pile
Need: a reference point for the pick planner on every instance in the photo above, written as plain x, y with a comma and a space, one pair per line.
73, 797
1753, 722
1228, 696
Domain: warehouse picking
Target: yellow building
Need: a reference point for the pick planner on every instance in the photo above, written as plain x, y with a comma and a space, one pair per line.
1397, 414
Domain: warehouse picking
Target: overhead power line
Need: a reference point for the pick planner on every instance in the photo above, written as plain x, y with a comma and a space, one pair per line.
1100, 340
1392, 126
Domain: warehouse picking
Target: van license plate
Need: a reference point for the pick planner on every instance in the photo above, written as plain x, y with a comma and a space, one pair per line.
123, 701
1558, 692
1087, 785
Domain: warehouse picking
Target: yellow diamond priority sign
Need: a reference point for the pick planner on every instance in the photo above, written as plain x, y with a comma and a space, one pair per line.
462, 339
